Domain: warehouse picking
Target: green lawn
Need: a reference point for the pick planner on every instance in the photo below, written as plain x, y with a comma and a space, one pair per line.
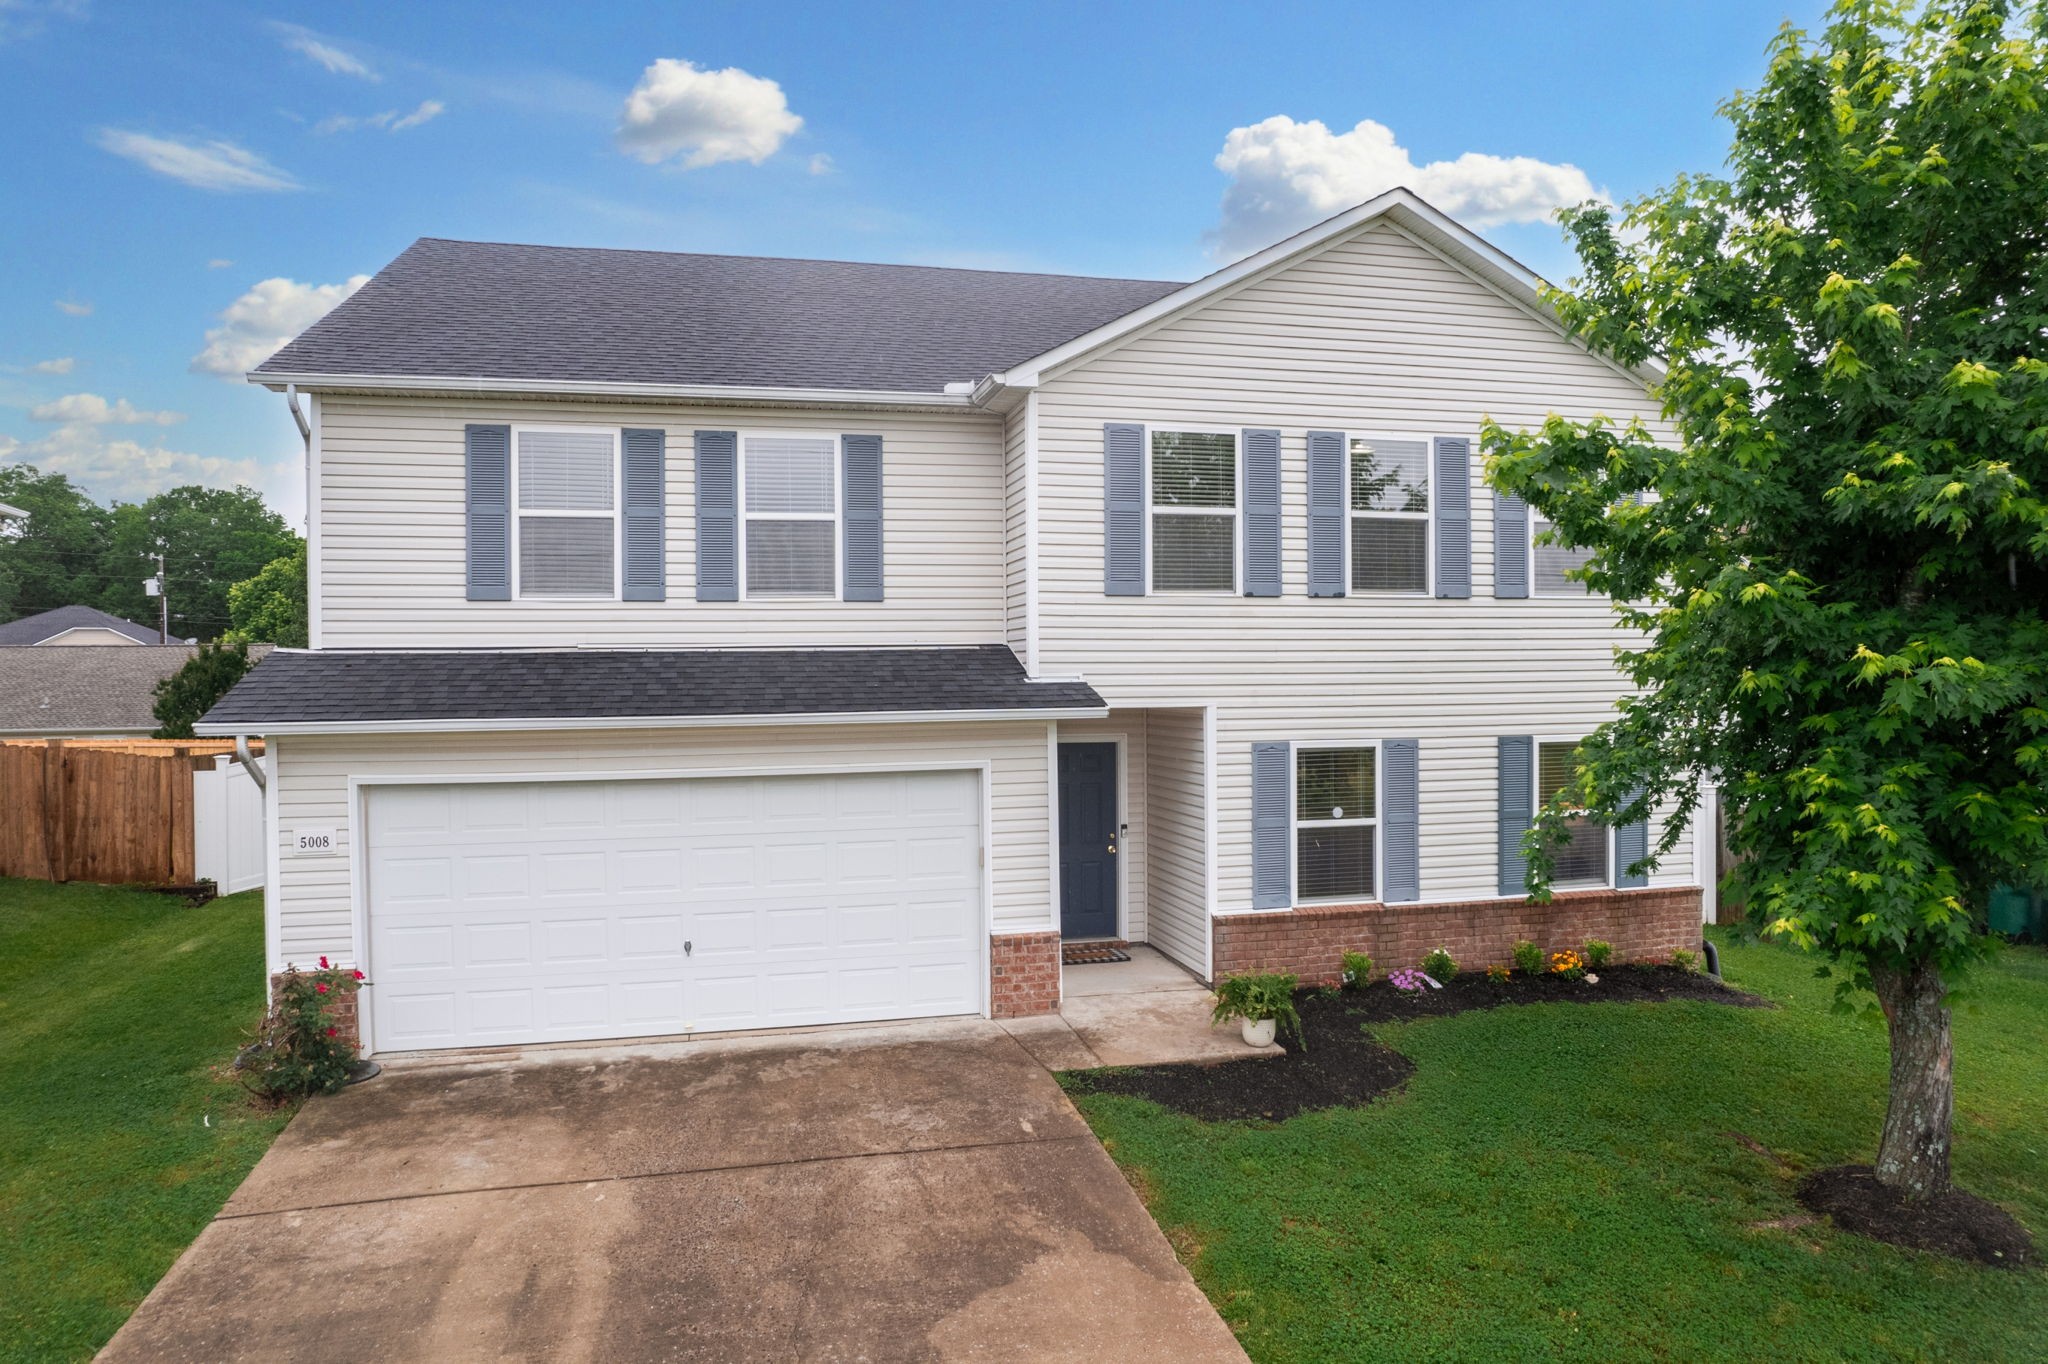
1560, 1182
114, 1007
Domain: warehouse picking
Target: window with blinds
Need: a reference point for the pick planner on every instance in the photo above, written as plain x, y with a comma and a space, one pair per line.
790, 503
566, 498
1583, 861
1336, 823
1390, 516
1194, 511
1549, 563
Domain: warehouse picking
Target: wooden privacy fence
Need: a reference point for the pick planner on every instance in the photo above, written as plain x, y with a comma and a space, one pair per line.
118, 811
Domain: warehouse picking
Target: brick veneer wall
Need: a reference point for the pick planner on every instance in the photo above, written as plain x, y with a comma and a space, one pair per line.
1023, 974
342, 1011
1643, 925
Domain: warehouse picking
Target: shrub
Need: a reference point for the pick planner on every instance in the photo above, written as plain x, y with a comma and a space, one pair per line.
1568, 964
299, 1049
1357, 970
1528, 958
1598, 953
1440, 964
1685, 961
1498, 974
1257, 997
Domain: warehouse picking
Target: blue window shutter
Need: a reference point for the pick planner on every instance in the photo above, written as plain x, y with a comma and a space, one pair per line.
1272, 826
1510, 546
1453, 516
1262, 513
645, 575
1631, 845
1123, 509
487, 472
1401, 819
1517, 810
1327, 508
718, 515
860, 487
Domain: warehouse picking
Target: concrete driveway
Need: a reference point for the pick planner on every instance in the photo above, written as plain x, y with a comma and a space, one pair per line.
922, 1192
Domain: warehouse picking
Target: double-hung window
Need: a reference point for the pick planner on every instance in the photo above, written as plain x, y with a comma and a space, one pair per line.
1584, 860
1389, 516
790, 505
566, 498
1336, 823
1551, 562
1194, 511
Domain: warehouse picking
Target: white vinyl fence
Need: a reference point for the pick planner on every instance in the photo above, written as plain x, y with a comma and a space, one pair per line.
227, 827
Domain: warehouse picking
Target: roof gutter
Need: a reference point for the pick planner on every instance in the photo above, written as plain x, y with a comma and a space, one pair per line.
499, 726
593, 388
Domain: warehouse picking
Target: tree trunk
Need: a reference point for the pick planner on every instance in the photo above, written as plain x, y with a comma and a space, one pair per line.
1912, 1157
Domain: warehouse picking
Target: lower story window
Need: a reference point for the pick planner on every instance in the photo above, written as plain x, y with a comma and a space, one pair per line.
1582, 861
1336, 823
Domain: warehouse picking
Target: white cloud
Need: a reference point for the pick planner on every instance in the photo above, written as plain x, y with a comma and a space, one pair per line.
821, 164
273, 312
202, 165
391, 120
93, 410
63, 364
1285, 176
27, 18
323, 52
219, 263
704, 117
129, 471
73, 307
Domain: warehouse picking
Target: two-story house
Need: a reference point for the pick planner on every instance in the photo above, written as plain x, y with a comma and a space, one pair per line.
706, 643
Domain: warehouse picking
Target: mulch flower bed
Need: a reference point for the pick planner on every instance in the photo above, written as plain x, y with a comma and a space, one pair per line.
1957, 1224
1344, 1065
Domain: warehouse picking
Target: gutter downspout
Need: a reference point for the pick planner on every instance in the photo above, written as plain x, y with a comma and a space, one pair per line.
249, 763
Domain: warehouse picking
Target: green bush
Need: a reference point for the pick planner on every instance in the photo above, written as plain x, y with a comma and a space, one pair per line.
1440, 965
1357, 970
299, 1049
1598, 953
1528, 958
1685, 961
1258, 997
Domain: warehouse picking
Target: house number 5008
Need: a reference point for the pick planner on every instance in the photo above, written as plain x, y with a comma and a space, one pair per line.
314, 842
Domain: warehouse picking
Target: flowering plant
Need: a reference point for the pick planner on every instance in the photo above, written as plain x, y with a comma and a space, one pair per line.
1498, 974
1568, 964
299, 1049
1408, 980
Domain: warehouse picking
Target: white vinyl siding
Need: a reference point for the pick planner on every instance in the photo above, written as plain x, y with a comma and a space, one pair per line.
1375, 334
391, 525
1016, 531
1176, 869
312, 791
1389, 493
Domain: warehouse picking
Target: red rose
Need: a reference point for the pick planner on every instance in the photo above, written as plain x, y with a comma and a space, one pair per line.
357, 974
332, 1031
323, 963
320, 989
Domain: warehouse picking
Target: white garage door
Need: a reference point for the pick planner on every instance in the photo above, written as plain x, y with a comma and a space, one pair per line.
555, 911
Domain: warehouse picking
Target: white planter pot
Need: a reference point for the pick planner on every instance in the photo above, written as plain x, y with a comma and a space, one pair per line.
1259, 1033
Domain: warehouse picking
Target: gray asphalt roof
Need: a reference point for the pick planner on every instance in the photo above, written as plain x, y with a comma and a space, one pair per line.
37, 628
369, 686
492, 310
85, 688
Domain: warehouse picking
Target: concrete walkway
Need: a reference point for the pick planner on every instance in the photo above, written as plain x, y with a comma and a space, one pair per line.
912, 1192
1143, 1012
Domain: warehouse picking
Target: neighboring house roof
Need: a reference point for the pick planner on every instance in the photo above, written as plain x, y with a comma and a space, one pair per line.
8, 510
489, 310
92, 689
329, 691
48, 625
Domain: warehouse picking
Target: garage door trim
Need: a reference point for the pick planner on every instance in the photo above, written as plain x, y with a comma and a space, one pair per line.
355, 841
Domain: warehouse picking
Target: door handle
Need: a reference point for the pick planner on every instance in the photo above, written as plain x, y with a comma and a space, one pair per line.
1112, 847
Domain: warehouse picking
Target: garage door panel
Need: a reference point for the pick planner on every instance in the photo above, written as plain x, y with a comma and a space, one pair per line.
556, 912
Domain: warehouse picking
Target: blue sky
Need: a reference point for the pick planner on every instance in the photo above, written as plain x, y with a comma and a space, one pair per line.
186, 182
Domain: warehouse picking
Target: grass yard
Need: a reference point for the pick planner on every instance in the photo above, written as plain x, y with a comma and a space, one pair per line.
1561, 1182
114, 1007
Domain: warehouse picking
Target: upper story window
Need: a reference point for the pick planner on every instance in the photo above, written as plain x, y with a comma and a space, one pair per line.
1550, 562
1194, 511
790, 506
1390, 516
1336, 823
1584, 860
566, 499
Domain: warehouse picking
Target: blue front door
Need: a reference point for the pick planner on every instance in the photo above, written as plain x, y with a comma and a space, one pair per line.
1088, 840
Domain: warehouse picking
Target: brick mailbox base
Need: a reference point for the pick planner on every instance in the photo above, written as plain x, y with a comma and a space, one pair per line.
1643, 925
1023, 974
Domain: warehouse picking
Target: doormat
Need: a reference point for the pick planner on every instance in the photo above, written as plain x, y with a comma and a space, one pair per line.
1092, 953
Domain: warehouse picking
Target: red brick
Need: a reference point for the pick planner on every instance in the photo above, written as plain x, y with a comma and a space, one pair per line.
1024, 974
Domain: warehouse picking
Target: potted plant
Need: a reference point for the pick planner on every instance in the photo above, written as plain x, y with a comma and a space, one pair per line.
1264, 1004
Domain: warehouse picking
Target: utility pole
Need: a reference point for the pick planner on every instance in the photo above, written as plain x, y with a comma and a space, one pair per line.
159, 587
